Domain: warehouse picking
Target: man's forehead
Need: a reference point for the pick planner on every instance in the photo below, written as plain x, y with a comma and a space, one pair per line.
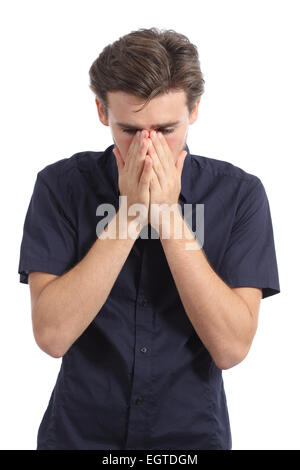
162, 111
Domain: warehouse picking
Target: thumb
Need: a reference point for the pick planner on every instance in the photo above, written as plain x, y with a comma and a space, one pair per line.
180, 161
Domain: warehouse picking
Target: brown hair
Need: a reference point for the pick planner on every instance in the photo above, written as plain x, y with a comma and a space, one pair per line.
147, 63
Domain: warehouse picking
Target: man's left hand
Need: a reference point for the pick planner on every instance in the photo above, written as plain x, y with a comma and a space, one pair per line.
165, 183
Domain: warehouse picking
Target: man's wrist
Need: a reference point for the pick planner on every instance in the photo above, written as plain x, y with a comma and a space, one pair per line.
164, 217
129, 226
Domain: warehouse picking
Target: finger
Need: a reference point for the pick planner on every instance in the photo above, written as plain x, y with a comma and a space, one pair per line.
119, 159
180, 161
140, 159
154, 181
162, 149
137, 160
141, 152
157, 166
166, 149
146, 174
131, 153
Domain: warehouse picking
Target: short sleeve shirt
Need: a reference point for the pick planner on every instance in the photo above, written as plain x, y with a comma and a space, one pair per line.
139, 376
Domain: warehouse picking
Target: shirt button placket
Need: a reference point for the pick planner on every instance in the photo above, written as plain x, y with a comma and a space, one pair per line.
138, 433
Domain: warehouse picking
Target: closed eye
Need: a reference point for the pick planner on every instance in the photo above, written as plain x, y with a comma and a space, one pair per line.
164, 131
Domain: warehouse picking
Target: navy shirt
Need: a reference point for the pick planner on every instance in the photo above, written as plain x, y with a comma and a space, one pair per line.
139, 376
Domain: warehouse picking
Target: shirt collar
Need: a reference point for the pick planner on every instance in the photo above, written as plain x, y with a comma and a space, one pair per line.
186, 176
186, 173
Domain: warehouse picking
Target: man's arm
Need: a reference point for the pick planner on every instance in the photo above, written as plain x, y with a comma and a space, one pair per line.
68, 304
223, 320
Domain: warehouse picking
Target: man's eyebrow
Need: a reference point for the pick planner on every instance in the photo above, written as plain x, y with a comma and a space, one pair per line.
155, 126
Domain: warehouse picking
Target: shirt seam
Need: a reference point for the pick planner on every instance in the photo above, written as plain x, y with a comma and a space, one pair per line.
248, 177
64, 195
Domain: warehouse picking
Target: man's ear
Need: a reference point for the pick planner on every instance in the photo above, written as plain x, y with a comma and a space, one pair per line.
101, 112
194, 113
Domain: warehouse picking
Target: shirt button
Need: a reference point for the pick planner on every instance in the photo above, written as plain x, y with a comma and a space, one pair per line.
143, 350
138, 400
144, 302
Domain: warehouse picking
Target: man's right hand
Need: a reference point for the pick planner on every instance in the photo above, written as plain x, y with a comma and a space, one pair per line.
135, 172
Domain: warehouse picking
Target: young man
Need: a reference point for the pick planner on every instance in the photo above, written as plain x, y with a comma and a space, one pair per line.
143, 324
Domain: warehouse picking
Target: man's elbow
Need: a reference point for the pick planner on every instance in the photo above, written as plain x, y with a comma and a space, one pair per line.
232, 358
49, 345
224, 365
51, 349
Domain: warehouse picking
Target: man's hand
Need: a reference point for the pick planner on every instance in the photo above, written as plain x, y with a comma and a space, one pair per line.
165, 183
135, 173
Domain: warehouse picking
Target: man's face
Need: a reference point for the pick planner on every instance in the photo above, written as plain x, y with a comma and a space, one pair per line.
169, 108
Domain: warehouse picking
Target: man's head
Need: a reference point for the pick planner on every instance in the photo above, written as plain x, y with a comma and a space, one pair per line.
147, 79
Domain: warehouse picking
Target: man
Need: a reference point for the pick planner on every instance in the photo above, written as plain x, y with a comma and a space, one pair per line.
144, 325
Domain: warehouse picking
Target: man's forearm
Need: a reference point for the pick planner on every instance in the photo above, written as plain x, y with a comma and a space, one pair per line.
67, 305
220, 317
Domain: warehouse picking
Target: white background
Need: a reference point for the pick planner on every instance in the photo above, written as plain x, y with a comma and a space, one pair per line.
248, 115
